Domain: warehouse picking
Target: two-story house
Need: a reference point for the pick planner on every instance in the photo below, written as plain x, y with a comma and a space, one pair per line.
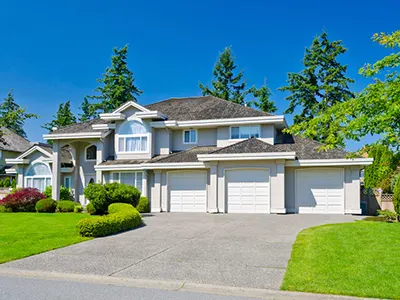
198, 154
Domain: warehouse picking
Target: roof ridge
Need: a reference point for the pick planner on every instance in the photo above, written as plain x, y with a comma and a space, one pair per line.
177, 98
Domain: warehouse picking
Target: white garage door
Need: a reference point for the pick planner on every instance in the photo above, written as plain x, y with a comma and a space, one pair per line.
320, 191
248, 191
187, 191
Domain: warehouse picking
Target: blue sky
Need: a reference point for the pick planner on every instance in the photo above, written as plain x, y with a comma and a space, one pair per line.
53, 51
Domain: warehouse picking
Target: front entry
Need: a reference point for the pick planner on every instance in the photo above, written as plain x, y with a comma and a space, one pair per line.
187, 191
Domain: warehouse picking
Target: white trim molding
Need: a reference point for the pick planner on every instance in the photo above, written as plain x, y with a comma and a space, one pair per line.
17, 161
150, 115
152, 166
247, 156
80, 135
112, 116
104, 126
33, 149
331, 162
353, 211
67, 170
11, 171
130, 104
222, 122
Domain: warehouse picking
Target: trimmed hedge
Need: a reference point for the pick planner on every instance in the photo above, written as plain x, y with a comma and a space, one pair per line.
65, 193
143, 205
122, 217
65, 206
78, 208
22, 200
4, 209
101, 196
90, 209
46, 206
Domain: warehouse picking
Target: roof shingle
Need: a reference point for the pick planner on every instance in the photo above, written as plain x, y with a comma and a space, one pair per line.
13, 142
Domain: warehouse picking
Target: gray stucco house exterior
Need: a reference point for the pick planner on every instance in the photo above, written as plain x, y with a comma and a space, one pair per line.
197, 154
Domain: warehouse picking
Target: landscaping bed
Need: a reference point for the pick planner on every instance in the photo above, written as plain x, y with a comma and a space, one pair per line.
25, 234
358, 259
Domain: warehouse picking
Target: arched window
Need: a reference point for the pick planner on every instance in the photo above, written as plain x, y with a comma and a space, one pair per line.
133, 136
38, 176
91, 152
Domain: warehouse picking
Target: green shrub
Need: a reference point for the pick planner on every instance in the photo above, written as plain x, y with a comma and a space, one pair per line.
90, 209
101, 196
65, 193
46, 206
4, 209
65, 206
375, 219
124, 217
388, 215
143, 205
78, 208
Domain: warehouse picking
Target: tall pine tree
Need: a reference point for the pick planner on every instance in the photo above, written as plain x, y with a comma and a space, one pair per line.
13, 116
263, 102
225, 84
63, 117
116, 87
88, 111
321, 84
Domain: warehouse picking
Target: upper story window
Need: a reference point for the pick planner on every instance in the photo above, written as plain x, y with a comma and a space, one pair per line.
190, 136
91, 152
245, 132
133, 137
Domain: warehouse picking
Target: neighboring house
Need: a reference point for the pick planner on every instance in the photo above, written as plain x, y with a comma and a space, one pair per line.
200, 154
11, 146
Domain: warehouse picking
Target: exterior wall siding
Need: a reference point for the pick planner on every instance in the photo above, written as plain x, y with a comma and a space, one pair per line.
205, 137
267, 134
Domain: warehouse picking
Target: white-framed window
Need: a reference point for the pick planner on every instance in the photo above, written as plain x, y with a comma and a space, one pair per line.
67, 182
132, 137
245, 132
190, 136
91, 153
130, 178
38, 176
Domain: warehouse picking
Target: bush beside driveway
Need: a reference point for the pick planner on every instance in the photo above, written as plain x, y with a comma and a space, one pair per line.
359, 259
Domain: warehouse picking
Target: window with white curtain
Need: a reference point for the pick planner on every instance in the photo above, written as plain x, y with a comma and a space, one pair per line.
38, 176
133, 137
245, 132
130, 178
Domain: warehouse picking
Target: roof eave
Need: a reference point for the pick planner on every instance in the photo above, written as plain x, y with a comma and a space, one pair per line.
247, 156
331, 162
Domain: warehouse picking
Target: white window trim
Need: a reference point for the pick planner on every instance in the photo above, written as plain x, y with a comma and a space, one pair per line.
86, 159
70, 181
124, 136
183, 136
238, 139
119, 177
45, 177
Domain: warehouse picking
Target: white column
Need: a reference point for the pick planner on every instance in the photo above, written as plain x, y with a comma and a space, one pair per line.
20, 177
156, 195
56, 166
213, 191
144, 184
99, 160
278, 195
164, 194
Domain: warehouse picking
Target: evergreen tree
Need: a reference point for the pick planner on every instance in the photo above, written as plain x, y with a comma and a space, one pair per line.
88, 111
116, 86
13, 116
263, 101
63, 117
225, 84
320, 85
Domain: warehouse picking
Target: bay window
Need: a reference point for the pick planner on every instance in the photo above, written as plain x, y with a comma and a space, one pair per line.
133, 137
245, 132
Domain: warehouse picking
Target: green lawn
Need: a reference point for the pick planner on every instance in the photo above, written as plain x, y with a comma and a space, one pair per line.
358, 259
25, 234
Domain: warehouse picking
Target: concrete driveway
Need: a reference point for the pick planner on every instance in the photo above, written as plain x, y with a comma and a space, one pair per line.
242, 250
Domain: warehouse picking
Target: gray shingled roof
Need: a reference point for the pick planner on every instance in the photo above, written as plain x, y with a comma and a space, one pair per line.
111, 162
81, 127
304, 148
189, 155
13, 142
203, 108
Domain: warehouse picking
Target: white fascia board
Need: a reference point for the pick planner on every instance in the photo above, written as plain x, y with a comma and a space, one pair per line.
112, 116
11, 171
151, 166
331, 162
17, 161
79, 135
247, 156
150, 115
33, 149
130, 104
67, 170
220, 122
103, 126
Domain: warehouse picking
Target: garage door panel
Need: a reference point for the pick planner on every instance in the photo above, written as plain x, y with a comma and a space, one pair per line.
320, 191
247, 191
187, 191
